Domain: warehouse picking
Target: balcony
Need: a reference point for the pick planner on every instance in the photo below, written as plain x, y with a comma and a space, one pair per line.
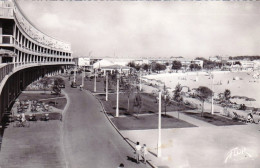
6, 40
6, 12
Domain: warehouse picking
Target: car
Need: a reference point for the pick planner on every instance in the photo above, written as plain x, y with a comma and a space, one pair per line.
73, 84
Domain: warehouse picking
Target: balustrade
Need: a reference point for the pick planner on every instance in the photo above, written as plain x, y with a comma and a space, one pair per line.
6, 39
5, 70
6, 12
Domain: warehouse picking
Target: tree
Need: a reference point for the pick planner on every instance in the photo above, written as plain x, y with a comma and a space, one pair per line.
237, 63
177, 94
225, 98
56, 88
227, 95
133, 65
128, 90
166, 98
203, 93
159, 67
138, 102
195, 67
176, 65
45, 83
146, 67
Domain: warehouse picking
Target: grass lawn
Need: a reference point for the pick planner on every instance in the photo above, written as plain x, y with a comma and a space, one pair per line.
148, 122
52, 116
60, 102
50, 81
149, 104
214, 119
89, 84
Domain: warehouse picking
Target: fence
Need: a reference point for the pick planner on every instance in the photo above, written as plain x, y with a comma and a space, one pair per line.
5, 70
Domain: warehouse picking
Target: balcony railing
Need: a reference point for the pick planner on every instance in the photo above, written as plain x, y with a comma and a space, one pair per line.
5, 69
6, 12
6, 39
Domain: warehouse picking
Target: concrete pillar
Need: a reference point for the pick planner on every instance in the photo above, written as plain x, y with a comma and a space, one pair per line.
18, 36
27, 58
14, 34
1, 32
159, 152
117, 97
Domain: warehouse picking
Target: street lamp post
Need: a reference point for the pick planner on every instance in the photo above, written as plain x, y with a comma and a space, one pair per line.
159, 152
95, 82
140, 83
106, 86
74, 80
83, 76
117, 95
212, 97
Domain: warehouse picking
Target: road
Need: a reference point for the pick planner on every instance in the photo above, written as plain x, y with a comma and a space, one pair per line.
88, 137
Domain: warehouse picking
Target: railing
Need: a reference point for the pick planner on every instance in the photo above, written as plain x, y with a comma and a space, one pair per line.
6, 39
5, 70
6, 12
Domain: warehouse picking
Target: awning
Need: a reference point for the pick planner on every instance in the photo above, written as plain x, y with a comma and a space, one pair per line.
7, 53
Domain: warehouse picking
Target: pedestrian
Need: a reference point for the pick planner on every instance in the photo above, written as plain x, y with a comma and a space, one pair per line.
121, 165
138, 152
144, 152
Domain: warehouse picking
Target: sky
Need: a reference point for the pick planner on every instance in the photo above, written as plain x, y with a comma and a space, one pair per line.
135, 29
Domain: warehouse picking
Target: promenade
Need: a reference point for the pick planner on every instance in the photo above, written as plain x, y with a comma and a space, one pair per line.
85, 138
89, 138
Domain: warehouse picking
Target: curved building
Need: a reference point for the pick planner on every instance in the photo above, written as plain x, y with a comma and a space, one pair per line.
29, 45
26, 54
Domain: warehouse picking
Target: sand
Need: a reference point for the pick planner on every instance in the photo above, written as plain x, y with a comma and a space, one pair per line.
239, 83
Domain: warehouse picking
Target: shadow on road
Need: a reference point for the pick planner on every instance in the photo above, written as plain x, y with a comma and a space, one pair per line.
131, 159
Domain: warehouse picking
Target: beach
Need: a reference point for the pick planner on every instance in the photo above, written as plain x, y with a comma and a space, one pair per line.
239, 83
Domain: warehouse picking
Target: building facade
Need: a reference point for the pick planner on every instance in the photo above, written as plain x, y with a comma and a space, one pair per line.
28, 44
26, 54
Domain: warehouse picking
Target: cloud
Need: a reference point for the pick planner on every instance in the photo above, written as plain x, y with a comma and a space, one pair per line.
50, 21
148, 29
56, 22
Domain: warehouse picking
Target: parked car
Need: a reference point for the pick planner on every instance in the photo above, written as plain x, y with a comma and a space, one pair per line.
73, 84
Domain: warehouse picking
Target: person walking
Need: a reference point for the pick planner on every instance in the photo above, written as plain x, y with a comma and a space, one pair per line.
138, 152
144, 152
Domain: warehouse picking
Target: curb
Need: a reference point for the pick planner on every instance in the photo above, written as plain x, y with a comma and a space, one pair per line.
62, 128
104, 111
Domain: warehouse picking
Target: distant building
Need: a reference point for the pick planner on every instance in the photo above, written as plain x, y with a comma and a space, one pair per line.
247, 65
241, 65
218, 58
84, 61
186, 63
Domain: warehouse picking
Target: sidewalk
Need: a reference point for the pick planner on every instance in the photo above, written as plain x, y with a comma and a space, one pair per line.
202, 147
36, 146
191, 120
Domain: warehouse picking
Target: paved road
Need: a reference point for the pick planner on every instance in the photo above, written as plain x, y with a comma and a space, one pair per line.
89, 138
